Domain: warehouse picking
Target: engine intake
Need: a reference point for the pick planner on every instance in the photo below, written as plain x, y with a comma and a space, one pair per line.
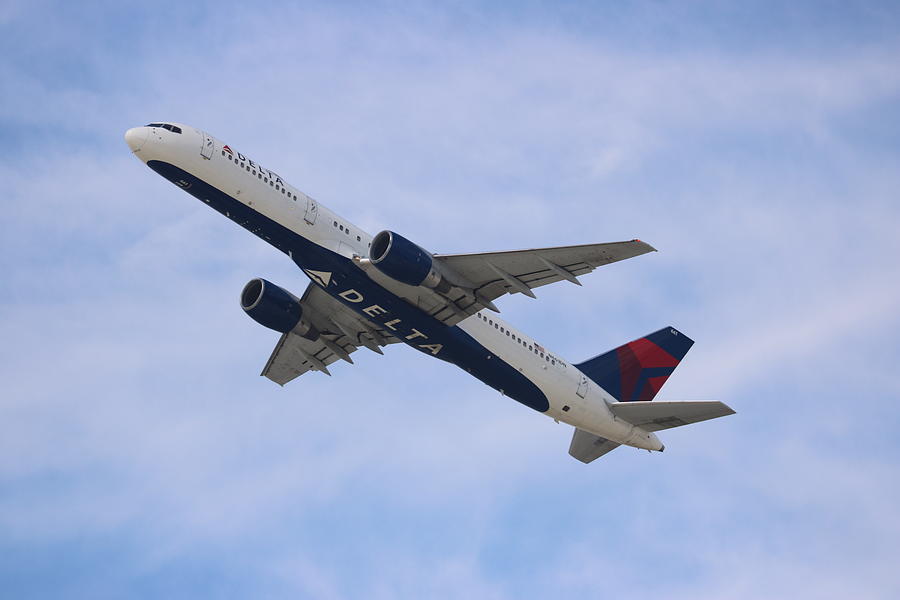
273, 307
400, 259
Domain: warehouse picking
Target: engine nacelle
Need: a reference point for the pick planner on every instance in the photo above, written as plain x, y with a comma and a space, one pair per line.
400, 259
275, 308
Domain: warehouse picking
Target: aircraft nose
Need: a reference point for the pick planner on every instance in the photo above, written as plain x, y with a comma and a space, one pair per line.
135, 137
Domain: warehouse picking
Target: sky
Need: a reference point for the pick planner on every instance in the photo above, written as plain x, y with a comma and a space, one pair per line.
755, 145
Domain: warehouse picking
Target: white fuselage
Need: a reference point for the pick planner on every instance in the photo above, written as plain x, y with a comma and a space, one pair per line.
573, 398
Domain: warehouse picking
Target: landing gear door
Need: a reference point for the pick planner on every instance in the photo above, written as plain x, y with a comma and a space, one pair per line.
582, 387
312, 210
206, 151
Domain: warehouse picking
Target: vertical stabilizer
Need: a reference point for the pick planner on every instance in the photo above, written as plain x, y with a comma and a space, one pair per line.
637, 370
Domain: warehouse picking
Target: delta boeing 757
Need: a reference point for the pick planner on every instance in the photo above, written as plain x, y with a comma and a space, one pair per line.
371, 292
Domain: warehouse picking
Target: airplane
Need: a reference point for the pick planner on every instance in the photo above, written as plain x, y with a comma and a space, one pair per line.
374, 291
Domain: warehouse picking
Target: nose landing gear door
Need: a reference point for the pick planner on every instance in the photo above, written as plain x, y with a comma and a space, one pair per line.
206, 151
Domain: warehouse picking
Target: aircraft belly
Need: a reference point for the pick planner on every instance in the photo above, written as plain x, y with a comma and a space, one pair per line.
353, 288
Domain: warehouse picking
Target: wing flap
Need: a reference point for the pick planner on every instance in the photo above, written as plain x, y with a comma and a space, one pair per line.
294, 355
656, 416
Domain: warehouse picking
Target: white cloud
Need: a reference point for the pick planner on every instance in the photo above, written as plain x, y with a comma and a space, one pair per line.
132, 409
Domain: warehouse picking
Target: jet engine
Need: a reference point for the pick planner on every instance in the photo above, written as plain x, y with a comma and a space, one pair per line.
404, 261
275, 308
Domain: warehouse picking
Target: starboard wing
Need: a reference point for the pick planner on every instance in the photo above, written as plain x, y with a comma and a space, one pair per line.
478, 279
494, 274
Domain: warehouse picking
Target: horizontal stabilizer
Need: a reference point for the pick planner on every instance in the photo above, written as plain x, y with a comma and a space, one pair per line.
587, 446
655, 416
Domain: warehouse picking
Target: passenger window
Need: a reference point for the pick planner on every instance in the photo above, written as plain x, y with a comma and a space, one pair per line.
358, 239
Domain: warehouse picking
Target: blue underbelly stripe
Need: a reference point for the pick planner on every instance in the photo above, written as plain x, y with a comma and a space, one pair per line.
457, 346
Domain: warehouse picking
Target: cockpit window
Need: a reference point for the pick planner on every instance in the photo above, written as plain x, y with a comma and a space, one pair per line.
172, 128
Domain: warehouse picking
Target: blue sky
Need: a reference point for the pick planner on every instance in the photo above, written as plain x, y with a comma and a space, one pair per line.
755, 146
